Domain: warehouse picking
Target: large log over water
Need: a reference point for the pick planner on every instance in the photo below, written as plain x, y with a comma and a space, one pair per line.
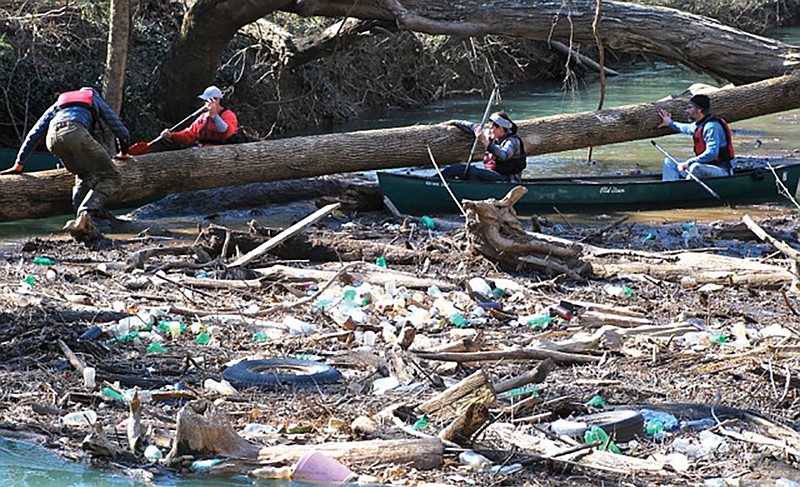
35, 195
699, 42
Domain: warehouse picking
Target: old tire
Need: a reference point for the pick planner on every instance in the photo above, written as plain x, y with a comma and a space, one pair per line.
274, 372
622, 425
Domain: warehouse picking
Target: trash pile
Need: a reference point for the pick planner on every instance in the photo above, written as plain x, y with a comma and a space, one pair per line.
442, 371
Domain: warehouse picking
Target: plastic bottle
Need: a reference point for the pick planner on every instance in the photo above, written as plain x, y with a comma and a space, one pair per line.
260, 336
420, 424
428, 222
596, 433
458, 320
596, 402
152, 453
156, 347
538, 321
474, 460
205, 464
91, 333
480, 286
380, 262
112, 394
203, 338
29, 280
89, 374
43, 261
80, 418
222, 387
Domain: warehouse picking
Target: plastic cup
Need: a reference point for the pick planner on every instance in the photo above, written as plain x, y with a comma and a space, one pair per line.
318, 467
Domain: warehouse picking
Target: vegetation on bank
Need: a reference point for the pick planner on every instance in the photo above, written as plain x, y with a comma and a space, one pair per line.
47, 47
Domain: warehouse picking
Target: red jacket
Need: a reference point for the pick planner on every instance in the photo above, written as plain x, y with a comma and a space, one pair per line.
204, 132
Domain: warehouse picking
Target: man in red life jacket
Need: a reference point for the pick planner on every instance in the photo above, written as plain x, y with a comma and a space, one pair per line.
69, 125
215, 126
713, 143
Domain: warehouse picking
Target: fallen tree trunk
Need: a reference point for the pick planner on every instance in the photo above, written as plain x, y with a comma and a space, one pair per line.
47, 193
699, 42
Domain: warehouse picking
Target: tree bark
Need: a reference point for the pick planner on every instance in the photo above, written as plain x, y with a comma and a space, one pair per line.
701, 43
47, 193
119, 32
191, 63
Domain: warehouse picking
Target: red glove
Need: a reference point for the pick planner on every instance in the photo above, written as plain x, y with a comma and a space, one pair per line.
15, 169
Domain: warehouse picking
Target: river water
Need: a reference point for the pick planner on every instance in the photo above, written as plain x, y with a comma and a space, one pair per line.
23, 465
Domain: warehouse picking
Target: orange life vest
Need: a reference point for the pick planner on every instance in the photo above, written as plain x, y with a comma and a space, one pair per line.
726, 154
83, 98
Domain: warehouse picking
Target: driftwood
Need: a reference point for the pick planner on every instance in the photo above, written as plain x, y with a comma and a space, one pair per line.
284, 235
514, 354
494, 230
371, 273
474, 389
201, 431
534, 376
694, 269
597, 319
461, 430
322, 247
420, 453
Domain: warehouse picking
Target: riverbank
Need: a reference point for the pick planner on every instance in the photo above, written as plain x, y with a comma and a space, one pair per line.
636, 339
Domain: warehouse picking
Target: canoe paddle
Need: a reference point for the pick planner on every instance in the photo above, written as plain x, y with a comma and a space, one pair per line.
483, 122
697, 180
141, 148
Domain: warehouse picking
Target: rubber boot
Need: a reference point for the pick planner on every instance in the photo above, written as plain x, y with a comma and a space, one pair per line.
79, 193
83, 229
94, 202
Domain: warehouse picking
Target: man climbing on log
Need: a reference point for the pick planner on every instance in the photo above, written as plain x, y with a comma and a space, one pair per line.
713, 143
70, 125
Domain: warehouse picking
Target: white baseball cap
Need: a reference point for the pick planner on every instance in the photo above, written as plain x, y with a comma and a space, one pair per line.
211, 92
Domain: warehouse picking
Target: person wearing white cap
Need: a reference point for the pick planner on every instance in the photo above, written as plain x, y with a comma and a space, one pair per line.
215, 126
504, 157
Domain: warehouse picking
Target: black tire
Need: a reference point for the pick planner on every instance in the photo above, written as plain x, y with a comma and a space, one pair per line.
274, 372
622, 425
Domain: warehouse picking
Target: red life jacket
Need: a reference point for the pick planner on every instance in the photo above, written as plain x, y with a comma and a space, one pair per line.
82, 98
725, 153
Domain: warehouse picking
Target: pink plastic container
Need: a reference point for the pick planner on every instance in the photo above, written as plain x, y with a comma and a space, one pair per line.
318, 467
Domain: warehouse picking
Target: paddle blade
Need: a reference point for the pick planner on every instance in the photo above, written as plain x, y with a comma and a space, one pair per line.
139, 148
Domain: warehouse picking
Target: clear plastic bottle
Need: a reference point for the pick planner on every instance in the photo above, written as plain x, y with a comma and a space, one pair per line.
80, 418
474, 460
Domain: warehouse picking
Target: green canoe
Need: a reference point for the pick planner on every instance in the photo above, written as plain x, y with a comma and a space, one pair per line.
419, 195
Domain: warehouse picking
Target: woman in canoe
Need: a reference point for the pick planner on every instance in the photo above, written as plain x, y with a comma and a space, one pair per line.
504, 156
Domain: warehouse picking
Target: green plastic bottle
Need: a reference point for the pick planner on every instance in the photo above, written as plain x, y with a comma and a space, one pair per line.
156, 347
420, 424
203, 338
597, 433
112, 394
43, 261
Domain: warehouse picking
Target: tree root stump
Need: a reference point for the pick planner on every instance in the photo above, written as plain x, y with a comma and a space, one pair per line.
494, 231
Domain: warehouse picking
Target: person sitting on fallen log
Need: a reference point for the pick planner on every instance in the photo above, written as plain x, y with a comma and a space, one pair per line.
216, 126
713, 143
71, 124
504, 157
